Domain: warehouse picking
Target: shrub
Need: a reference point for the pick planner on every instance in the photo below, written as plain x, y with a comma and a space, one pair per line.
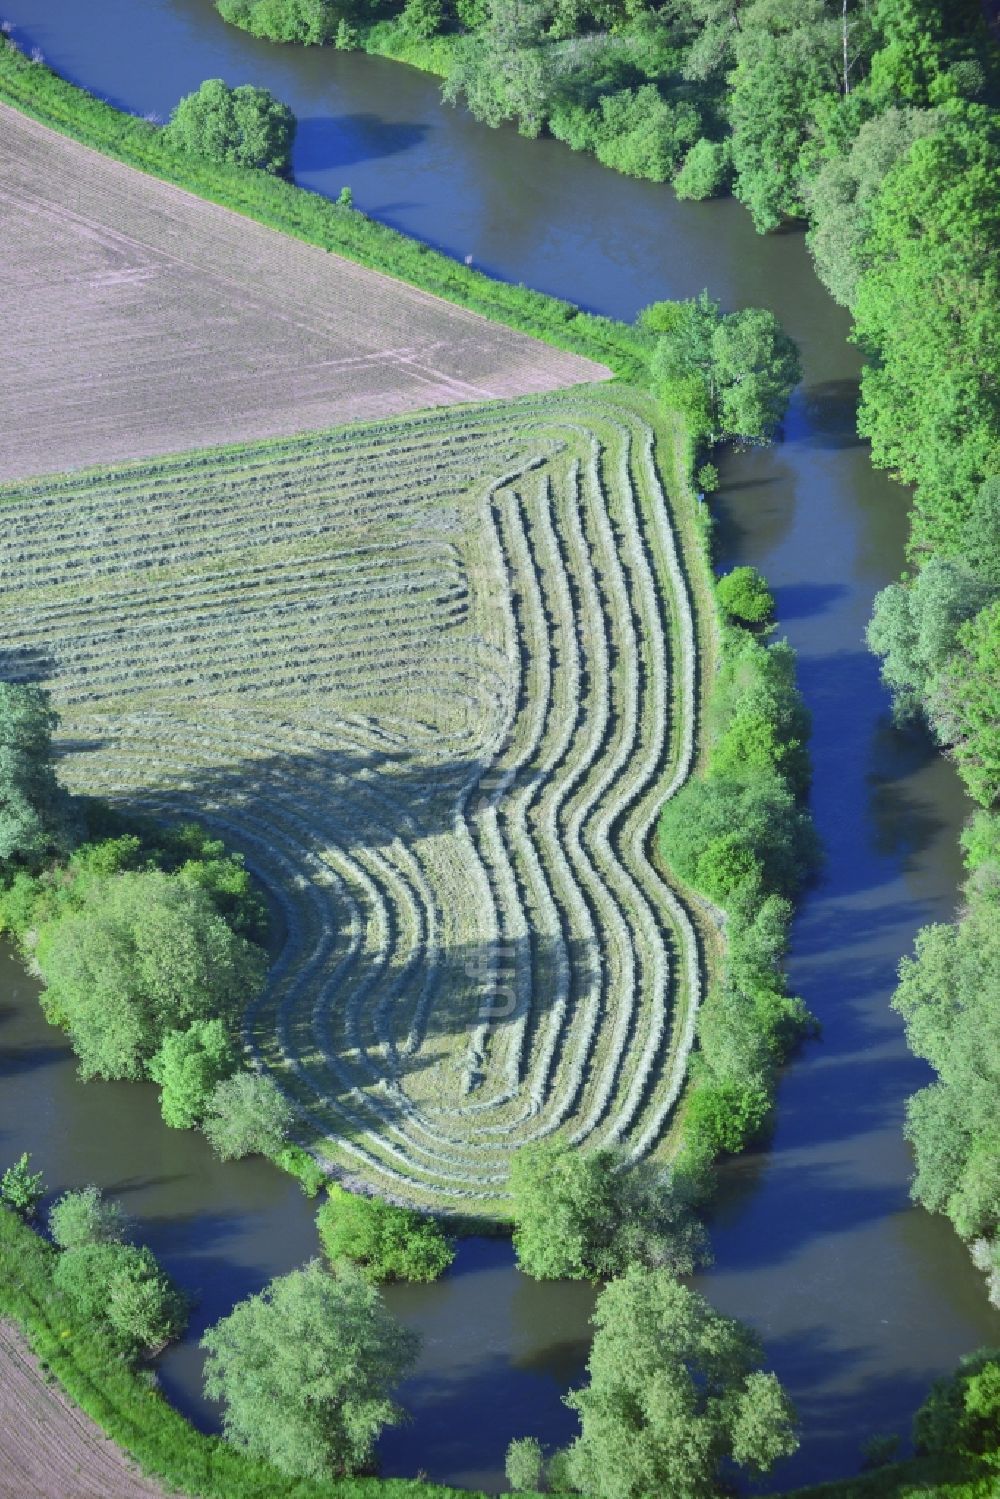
87, 1217
247, 1115
525, 1465
312, 22
21, 1188
725, 837
387, 1242
304, 1371
187, 1066
642, 135
706, 170
245, 126
121, 1290
744, 595
579, 1215
143, 955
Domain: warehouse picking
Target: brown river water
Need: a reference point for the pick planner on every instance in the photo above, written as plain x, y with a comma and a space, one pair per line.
861, 1299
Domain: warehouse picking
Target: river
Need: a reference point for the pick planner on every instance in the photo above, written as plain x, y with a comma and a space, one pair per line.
860, 1298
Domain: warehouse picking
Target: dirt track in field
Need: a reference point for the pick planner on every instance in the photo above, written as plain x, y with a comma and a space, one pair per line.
138, 319
48, 1448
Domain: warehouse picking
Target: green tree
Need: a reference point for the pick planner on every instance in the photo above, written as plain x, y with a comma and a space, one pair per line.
732, 375
744, 595
144, 954
121, 1290
927, 312
915, 628
962, 1412
187, 1066
756, 369
525, 1465
504, 72
705, 171
949, 997
674, 1393
311, 22
385, 1241
580, 1215
36, 819
965, 705
725, 835
844, 191
305, 1371
87, 1217
21, 1188
247, 1114
788, 57
245, 126
925, 49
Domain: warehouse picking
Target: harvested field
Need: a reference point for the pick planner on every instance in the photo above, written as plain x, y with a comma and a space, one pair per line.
139, 319
435, 677
48, 1448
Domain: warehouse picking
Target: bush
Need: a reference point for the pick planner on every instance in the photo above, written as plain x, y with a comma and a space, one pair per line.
188, 1066
145, 954
744, 596
312, 22
121, 1290
247, 1115
21, 1188
245, 126
728, 837
305, 1371
640, 134
706, 170
387, 1242
579, 1215
525, 1465
86, 1217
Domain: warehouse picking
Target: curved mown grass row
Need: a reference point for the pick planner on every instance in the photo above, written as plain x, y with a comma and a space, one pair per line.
435, 677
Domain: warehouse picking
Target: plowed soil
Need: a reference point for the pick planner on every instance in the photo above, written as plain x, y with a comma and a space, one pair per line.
139, 319
48, 1448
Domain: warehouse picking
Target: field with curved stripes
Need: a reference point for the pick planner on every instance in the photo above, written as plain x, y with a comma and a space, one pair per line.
435, 677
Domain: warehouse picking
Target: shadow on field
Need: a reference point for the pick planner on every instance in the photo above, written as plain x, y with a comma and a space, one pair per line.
387, 820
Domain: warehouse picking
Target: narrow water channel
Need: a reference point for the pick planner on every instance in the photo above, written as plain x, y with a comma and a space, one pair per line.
860, 1298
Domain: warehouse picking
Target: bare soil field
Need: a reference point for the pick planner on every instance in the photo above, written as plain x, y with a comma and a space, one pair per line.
48, 1448
139, 319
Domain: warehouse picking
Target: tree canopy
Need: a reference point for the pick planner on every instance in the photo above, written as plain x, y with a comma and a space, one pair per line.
579, 1215
187, 1066
928, 311
305, 1371
143, 955
247, 1114
387, 1242
246, 126
675, 1392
